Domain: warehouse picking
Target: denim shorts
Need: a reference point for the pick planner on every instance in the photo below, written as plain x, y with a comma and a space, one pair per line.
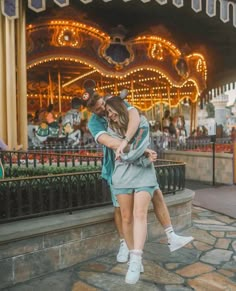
113, 198
107, 187
150, 190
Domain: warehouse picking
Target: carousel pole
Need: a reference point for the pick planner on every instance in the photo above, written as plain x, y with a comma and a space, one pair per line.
161, 112
168, 94
151, 93
179, 103
116, 87
48, 97
102, 84
132, 90
22, 77
40, 97
40, 101
59, 90
50, 87
140, 103
195, 114
191, 118
160, 105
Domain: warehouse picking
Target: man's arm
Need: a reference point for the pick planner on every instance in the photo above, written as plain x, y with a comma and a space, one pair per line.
99, 131
108, 141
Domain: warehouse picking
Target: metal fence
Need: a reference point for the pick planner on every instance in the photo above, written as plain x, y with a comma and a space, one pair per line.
29, 197
201, 144
36, 158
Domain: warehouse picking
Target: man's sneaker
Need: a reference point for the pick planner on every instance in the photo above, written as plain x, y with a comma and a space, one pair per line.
135, 268
123, 254
176, 241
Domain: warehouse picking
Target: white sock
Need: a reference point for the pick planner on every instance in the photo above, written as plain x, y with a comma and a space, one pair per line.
137, 252
169, 232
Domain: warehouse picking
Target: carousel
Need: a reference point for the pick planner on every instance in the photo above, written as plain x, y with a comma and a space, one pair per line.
57, 54
62, 54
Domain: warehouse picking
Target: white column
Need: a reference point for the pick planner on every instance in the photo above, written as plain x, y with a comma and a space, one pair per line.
22, 77
3, 129
10, 83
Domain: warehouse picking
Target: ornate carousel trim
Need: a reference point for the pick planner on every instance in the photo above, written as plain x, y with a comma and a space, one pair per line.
172, 76
227, 8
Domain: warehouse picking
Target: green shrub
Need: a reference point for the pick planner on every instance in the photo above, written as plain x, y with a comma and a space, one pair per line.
14, 172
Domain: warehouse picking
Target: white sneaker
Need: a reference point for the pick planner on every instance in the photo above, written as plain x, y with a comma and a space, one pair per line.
123, 254
135, 268
141, 268
176, 241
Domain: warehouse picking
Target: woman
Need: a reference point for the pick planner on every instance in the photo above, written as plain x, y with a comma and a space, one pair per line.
133, 182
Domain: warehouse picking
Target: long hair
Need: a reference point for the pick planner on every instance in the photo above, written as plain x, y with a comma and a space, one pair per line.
118, 105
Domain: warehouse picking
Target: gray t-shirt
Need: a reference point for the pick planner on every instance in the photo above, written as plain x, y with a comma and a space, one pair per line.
134, 169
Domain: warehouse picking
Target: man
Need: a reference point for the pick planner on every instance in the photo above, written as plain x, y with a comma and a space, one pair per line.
98, 128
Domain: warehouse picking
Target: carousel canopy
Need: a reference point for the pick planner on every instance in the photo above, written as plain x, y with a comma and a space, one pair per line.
202, 34
208, 23
62, 54
226, 7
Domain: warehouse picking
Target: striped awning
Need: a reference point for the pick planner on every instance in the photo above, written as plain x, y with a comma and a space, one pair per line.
227, 8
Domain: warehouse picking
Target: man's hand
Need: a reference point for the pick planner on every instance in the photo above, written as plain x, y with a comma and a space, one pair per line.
123, 147
152, 155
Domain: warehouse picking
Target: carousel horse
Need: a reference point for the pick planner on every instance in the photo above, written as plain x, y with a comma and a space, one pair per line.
66, 130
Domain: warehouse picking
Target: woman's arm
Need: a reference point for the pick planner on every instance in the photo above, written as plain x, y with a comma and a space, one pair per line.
134, 121
139, 143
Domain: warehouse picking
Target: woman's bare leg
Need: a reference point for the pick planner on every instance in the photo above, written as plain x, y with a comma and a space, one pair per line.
126, 208
141, 203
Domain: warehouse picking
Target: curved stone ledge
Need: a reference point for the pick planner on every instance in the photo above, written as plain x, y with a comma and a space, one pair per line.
37, 246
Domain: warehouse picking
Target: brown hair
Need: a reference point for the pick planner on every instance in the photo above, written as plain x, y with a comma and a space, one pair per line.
118, 105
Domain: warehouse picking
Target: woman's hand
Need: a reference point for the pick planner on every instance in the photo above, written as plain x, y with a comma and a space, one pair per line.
123, 148
152, 155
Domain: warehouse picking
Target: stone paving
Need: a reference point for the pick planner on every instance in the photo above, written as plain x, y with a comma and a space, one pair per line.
208, 263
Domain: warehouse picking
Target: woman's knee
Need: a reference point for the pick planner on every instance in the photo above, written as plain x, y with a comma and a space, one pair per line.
127, 217
140, 214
